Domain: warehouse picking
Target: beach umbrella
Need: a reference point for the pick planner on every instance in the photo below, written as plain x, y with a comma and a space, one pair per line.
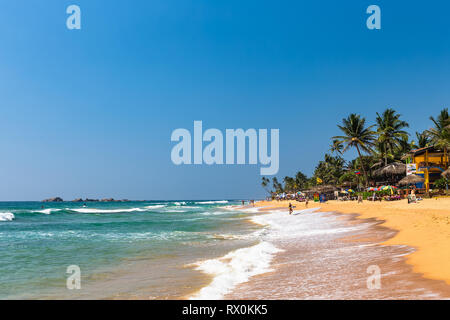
411, 179
390, 188
446, 174
350, 190
371, 189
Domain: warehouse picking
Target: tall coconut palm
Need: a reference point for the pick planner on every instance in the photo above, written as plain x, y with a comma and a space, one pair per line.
390, 130
265, 183
356, 135
440, 134
336, 147
289, 184
301, 180
278, 187
422, 140
404, 146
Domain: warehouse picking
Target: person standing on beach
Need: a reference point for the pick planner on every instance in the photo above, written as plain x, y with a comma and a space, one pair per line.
290, 208
306, 202
360, 199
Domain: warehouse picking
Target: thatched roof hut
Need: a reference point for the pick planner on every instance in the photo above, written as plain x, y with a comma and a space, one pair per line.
411, 179
391, 169
324, 188
446, 174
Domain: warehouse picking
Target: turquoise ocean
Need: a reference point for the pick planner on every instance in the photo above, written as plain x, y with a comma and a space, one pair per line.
125, 250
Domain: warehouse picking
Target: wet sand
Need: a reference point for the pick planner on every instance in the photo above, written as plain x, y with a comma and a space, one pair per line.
335, 266
424, 226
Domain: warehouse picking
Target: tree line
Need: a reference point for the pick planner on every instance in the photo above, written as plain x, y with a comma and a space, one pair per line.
377, 145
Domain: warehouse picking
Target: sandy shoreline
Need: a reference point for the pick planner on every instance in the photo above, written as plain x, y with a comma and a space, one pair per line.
424, 226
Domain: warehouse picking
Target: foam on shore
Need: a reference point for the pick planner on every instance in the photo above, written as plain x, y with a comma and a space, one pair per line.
240, 265
234, 268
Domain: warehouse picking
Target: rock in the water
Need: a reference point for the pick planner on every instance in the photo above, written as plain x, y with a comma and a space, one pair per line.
56, 199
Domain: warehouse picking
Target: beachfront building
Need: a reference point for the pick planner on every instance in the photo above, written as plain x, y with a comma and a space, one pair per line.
429, 163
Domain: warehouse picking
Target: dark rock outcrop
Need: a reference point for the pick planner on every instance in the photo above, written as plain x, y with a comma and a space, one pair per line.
56, 199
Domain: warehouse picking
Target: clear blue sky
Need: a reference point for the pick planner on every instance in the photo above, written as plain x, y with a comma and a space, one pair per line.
89, 113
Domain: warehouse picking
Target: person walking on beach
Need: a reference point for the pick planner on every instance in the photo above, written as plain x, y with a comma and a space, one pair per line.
290, 208
306, 202
360, 199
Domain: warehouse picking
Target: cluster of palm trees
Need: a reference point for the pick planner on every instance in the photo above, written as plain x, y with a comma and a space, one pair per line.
377, 145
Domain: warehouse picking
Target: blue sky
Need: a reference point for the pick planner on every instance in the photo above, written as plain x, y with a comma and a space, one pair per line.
89, 113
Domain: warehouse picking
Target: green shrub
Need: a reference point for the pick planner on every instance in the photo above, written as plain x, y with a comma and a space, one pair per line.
441, 183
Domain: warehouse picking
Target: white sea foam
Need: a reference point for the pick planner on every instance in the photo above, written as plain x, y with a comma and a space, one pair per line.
250, 210
180, 203
156, 206
234, 268
92, 210
302, 223
6, 216
212, 202
48, 211
213, 213
183, 208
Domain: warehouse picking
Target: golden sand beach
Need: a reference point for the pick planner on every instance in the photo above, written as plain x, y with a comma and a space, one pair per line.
424, 225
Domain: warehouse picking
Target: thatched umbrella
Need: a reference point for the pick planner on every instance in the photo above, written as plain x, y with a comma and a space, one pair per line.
411, 179
324, 188
446, 174
392, 168
328, 188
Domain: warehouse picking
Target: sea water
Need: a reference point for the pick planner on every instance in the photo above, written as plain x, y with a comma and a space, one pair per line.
124, 250
212, 249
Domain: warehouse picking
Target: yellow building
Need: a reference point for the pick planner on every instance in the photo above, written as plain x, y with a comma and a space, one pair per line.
428, 162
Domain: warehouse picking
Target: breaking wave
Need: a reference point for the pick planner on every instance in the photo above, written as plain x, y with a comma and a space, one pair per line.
234, 268
6, 216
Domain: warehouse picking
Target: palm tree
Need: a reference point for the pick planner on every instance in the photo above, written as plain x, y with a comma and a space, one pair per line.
356, 135
389, 130
440, 134
422, 140
289, 184
265, 182
403, 147
301, 180
336, 147
329, 169
278, 187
